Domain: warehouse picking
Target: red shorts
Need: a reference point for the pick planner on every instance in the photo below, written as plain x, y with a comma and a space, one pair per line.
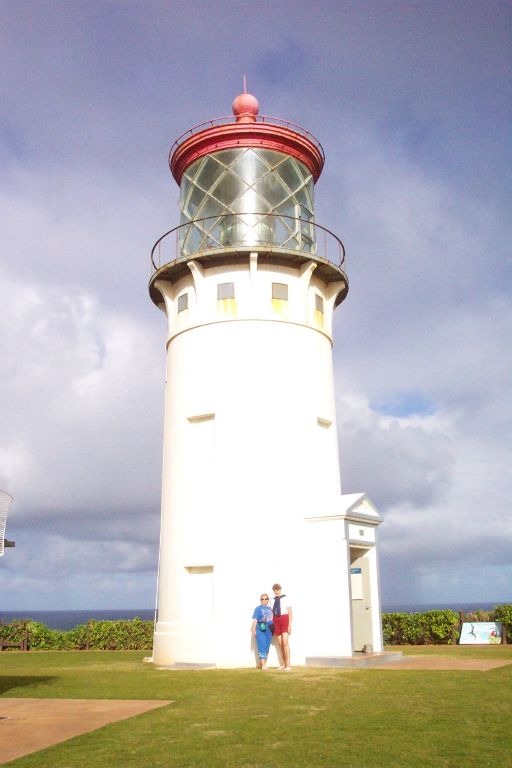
280, 624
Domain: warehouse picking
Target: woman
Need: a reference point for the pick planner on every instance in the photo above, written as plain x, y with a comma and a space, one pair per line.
261, 619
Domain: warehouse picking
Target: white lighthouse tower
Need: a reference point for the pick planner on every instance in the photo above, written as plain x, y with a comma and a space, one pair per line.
251, 482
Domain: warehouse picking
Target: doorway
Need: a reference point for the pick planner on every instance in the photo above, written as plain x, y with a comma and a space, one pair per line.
362, 627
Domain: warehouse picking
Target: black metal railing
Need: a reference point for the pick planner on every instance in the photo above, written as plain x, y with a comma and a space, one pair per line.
272, 231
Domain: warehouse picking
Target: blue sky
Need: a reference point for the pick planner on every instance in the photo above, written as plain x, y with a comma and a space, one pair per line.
412, 103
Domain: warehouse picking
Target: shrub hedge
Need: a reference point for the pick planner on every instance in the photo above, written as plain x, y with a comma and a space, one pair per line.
134, 635
503, 613
428, 628
438, 627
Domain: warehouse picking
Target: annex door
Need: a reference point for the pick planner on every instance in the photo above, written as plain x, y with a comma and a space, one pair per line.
361, 598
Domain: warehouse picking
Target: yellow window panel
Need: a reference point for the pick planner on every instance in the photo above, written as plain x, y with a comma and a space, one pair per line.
280, 306
227, 306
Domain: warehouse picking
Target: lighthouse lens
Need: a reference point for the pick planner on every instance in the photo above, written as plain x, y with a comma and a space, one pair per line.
244, 197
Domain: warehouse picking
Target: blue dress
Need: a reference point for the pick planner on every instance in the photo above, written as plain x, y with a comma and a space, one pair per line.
263, 615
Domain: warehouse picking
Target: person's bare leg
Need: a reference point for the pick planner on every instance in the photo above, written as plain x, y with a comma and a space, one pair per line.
285, 649
280, 651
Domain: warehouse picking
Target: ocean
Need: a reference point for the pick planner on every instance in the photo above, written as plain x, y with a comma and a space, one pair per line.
70, 619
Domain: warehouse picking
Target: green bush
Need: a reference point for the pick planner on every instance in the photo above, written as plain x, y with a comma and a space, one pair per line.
402, 628
479, 615
45, 639
441, 627
134, 635
437, 627
429, 628
13, 632
503, 613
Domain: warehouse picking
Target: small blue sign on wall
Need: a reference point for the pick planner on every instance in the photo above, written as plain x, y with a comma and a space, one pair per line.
355, 570
481, 633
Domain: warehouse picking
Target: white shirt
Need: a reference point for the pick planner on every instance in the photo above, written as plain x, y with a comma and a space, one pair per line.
285, 604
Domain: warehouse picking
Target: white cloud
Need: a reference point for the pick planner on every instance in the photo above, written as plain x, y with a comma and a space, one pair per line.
77, 430
396, 461
414, 185
427, 318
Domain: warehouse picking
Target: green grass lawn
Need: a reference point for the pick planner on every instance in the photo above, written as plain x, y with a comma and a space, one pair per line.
248, 719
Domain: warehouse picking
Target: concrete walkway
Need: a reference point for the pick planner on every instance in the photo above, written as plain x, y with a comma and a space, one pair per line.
448, 663
27, 725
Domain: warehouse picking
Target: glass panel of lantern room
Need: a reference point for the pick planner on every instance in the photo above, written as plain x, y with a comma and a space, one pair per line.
290, 174
250, 166
243, 197
209, 209
209, 173
229, 188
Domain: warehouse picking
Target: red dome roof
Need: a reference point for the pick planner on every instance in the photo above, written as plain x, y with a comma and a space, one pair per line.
246, 129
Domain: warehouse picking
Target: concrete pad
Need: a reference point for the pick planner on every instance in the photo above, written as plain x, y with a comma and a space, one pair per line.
440, 663
32, 724
357, 661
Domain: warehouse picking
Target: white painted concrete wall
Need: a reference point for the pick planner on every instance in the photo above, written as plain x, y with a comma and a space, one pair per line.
250, 451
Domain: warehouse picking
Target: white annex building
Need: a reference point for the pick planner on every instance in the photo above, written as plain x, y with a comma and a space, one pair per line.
251, 480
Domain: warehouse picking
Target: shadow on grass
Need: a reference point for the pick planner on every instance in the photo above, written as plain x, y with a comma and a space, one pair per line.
8, 682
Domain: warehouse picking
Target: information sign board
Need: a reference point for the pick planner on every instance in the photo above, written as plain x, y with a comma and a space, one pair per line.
481, 633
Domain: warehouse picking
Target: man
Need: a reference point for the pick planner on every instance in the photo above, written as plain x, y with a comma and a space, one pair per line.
282, 624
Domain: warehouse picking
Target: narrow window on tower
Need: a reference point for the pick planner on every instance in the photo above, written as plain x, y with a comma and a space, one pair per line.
198, 592
280, 291
225, 291
182, 302
226, 302
319, 309
280, 298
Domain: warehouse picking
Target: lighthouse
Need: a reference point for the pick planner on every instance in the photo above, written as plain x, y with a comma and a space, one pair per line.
251, 491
